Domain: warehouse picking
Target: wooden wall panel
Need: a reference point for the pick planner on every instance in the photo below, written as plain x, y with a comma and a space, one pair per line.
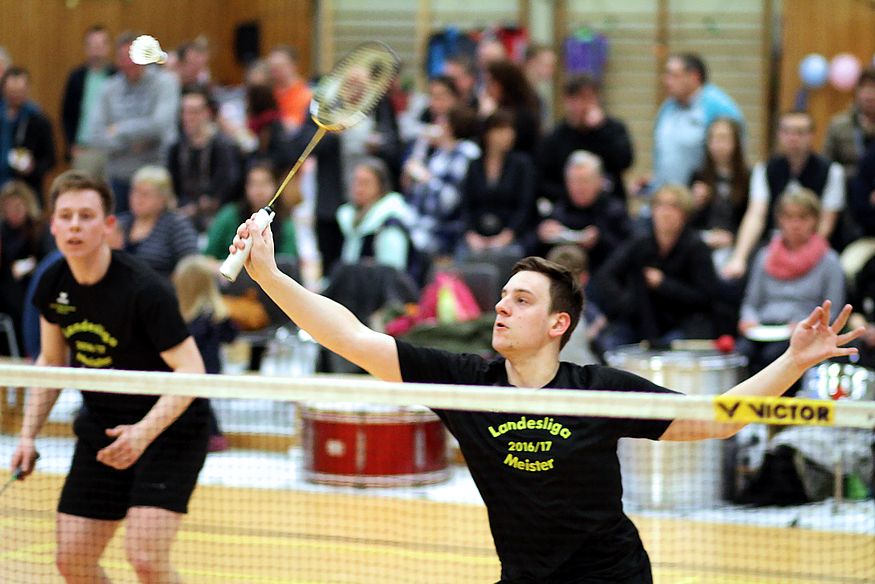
45, 36
828, 28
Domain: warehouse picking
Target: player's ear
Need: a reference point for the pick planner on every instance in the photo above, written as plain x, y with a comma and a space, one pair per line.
560, 321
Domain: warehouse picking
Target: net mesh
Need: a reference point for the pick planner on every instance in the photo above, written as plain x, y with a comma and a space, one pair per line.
344, 479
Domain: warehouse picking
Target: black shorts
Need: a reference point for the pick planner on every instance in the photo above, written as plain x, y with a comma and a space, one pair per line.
164, 476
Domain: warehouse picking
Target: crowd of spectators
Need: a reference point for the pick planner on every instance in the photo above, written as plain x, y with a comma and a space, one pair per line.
473, 168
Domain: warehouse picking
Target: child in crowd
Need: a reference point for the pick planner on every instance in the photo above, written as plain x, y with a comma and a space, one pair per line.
203, 309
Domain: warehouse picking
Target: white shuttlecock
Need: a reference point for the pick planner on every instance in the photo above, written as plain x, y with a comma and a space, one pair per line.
145, 50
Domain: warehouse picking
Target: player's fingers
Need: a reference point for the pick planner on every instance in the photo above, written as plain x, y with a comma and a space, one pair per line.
113, 432
813, 318
824, 316
842, 319
850, 336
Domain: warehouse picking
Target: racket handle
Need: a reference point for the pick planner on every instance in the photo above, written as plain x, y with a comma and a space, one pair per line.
234, 263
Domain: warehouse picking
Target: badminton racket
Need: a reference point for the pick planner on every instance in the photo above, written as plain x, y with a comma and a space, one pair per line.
17, 474
14, 477
342, 98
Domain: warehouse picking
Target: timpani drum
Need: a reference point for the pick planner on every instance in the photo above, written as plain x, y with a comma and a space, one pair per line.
373, 446
658, 475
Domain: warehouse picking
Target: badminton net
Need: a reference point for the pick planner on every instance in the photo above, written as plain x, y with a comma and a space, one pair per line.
347, 479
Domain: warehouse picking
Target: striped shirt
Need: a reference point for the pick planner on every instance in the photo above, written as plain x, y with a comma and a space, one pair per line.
172, 238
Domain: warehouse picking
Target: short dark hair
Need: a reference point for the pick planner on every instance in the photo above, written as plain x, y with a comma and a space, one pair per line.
798, 112
13, 71
94, 29
867, 75
79, 180
566, 295
580, 82
126, 38
447, 82
463, 122
466, 63
695, 63
196, 89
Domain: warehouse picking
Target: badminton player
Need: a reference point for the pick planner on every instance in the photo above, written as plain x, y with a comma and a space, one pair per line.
137, 457
551, 484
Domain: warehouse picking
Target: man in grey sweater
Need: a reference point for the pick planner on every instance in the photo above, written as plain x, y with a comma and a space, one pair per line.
135, 122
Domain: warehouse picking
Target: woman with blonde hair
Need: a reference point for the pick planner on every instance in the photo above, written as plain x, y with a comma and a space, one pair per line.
152, 230
794, 273
207, 317
661, 285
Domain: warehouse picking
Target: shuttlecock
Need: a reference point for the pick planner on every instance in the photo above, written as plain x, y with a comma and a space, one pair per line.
145, 50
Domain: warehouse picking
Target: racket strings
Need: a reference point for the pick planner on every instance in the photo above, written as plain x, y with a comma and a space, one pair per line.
352, 89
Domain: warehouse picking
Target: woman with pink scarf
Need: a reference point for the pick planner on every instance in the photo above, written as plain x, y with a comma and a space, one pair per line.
796, 272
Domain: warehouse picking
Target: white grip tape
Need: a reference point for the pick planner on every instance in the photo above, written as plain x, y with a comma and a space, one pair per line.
234, 263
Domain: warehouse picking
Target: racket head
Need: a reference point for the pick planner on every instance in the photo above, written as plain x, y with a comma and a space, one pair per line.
351, 90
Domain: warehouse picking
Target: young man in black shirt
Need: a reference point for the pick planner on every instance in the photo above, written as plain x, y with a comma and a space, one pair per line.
137, 457
551, 484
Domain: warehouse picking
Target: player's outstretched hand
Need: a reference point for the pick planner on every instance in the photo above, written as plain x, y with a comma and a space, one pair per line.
261, 259
815, 339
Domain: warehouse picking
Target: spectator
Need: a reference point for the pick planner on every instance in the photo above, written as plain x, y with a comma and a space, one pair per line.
5, 60
204, 164
589, 217
194, 63
23, 242
27, 148
443, 96
207, 317
720, 189
152, 230
375, 136
376, 222
852, 132
434, 186
683, 118
796, 271
329, 192
581, 346
135, 121
498, 193
290, 89
660, 286
464, 75
260, 185
795, 165
861, 194
507, 87
540, 68
586, 127
82, 94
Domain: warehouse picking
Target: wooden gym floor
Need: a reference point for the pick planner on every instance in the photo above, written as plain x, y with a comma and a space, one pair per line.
286, 537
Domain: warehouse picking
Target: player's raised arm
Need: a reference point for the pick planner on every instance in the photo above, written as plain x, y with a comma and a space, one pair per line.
331, 324
814, 340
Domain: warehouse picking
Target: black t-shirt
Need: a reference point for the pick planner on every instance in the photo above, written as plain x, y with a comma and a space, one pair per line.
551, 484
124, 321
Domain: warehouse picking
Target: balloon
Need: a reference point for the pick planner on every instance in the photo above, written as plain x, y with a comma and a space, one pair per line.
844, 70
814, 70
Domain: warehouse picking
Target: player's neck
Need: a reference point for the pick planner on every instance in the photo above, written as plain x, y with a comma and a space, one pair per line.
534, 370
91, 269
